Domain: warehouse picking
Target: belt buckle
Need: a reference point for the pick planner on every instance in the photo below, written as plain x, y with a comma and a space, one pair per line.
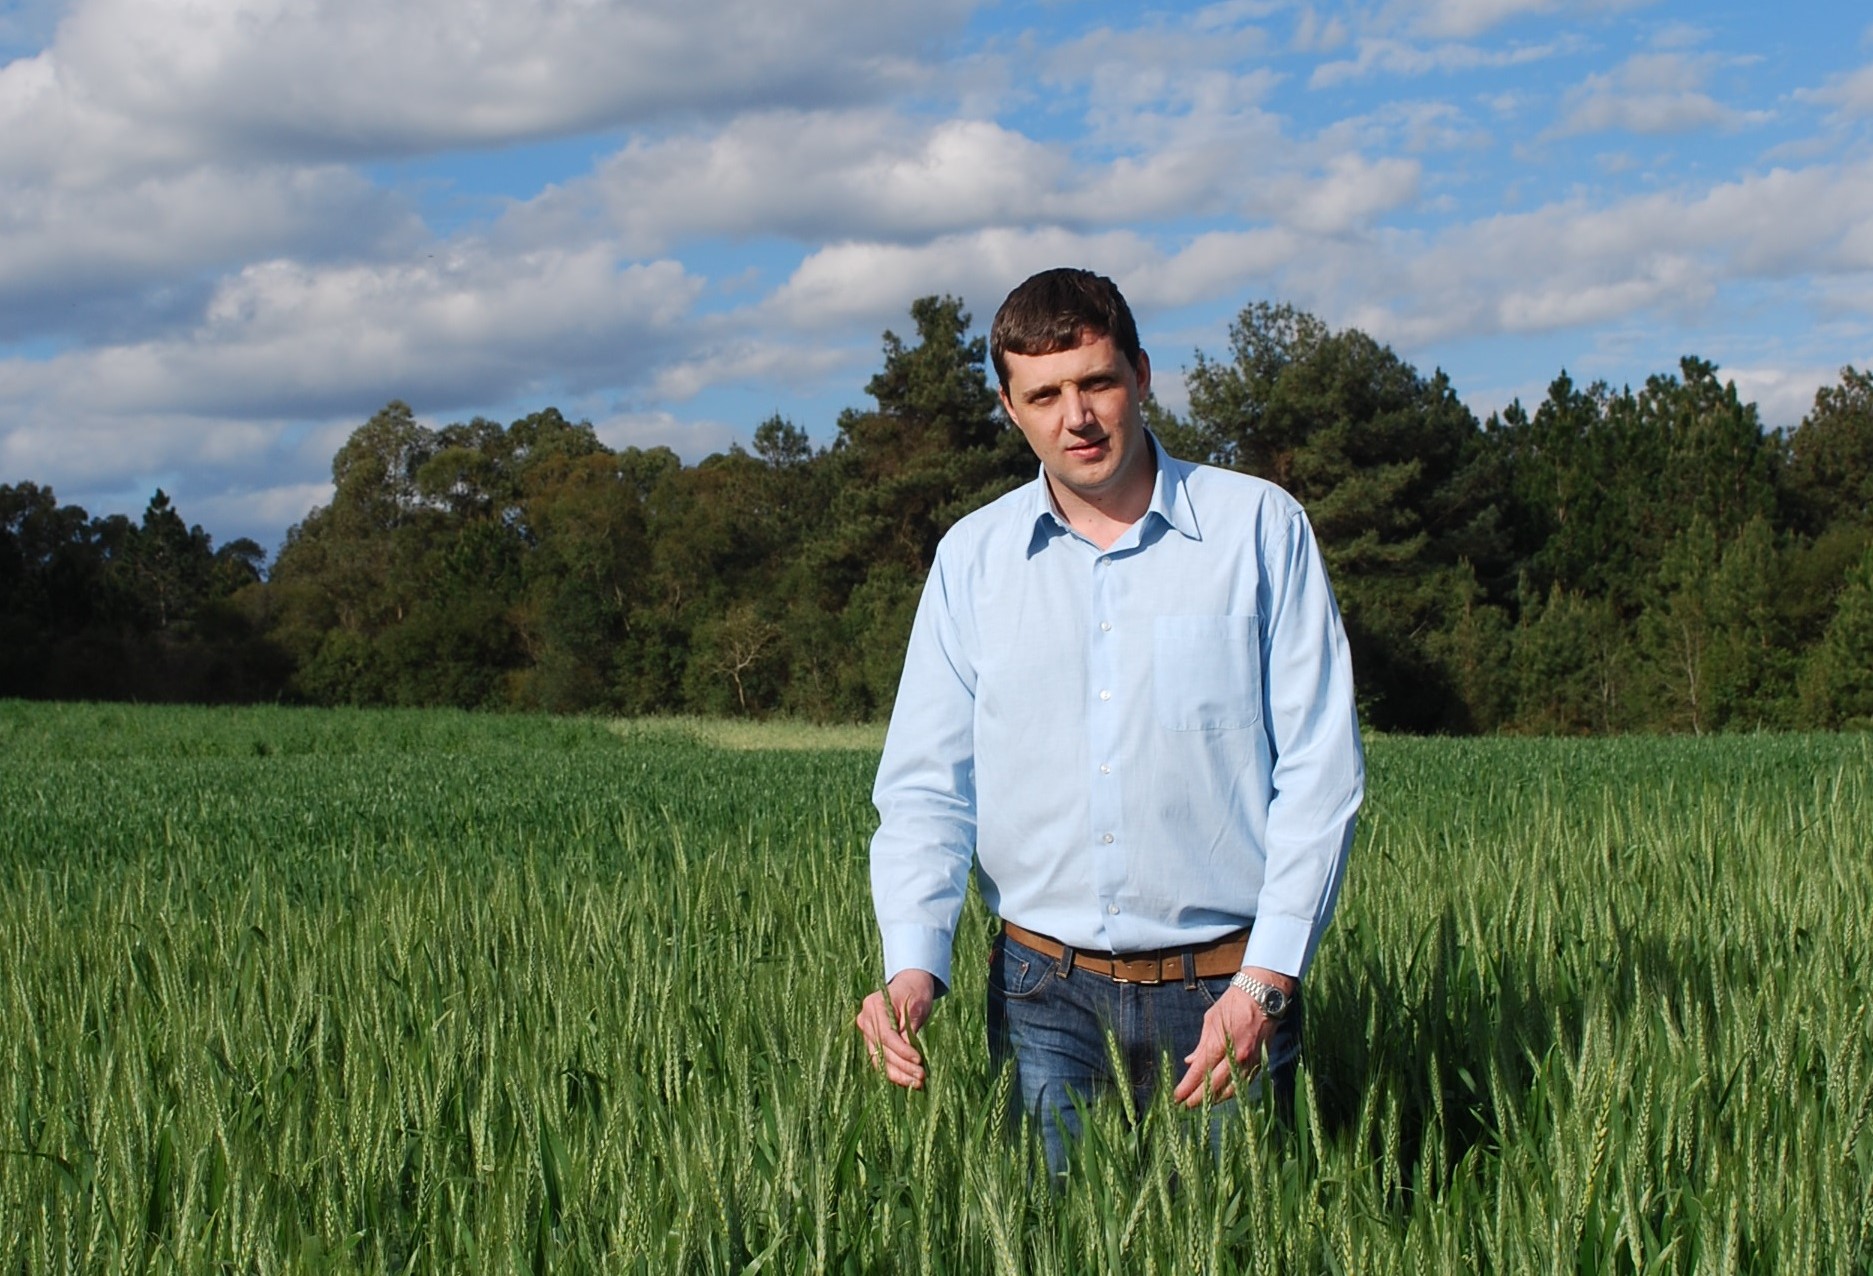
1137, 970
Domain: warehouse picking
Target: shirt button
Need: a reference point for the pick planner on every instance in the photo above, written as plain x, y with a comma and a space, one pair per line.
1105, 626
1104, 769
1113, 909
1105, 695
1107, 839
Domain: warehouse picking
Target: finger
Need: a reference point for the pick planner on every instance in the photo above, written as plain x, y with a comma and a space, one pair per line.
910, 1076
901, 1062
1222, 1081
899, 1050
874, 1023
888, 1048
882, 1034
912, 1013
1201, 1060
1222, 1077
1214, 1082
1210, 1041
905, 1017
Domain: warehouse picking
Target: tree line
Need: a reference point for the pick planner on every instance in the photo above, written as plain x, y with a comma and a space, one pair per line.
1630, 560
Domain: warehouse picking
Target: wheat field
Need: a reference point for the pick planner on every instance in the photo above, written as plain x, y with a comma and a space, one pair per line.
296, 990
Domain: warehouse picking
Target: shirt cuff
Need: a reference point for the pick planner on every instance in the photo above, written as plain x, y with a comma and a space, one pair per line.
909, 947
1278, 943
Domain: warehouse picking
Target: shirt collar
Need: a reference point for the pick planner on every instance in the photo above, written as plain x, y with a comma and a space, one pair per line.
1170, 502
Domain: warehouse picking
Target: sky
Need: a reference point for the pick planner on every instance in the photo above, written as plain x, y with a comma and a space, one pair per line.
232, 230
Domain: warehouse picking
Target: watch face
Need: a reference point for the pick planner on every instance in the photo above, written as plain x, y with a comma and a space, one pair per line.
1275, 1003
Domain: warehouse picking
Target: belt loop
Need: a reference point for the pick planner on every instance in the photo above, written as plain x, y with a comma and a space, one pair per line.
1063, 964
1190, 969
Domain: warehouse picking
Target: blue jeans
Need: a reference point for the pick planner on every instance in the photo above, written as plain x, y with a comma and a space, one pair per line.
1053, 1023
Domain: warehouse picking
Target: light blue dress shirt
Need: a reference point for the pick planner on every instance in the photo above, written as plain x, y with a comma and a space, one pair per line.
1141, 747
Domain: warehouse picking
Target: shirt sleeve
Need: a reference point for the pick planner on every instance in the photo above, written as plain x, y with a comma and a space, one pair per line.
1319, 765
925, 792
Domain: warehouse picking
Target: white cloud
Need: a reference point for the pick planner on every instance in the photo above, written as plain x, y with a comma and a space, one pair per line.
63, 248
1464, 19
258, 510
1569, 265
158, 143
1315, 34
846, 284
868, 284
1225, 14
1384, 56
285, 339
1415, 127
1147, 66
1851, 94
1217, 265
1650, 93
132, 82
868, 176
1352, 194
1782, 395
689, 439
281, 342
88, 448
742, 360
809, 175
1680, 35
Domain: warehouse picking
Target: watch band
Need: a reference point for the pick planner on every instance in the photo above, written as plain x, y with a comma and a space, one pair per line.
1272, 1000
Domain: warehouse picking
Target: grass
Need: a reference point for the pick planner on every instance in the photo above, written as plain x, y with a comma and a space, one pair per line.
746, 735
298, 990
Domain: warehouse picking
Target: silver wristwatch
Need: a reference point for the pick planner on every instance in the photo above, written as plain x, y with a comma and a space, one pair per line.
1272, 1000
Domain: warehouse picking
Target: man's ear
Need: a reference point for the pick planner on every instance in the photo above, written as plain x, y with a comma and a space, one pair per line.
1142, 370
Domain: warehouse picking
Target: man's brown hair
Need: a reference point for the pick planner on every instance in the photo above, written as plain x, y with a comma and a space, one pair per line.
1053, 310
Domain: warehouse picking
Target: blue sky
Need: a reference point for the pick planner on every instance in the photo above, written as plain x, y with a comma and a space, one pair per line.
231, 230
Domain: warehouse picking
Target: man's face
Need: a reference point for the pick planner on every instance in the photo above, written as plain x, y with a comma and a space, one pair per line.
1081, 412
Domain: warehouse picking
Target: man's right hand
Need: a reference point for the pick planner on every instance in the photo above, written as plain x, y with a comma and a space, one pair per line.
888, 1026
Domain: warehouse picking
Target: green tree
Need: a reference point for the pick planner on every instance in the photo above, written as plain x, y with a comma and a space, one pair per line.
1571, 516
1472, 645
351, 565
587, 574
1397, 482
1752, 672
170, 563
1719, 463
108, 608
1837, 682
1235, 408
1830, 466
1681, 627
1603, 484
899, 475
1571, 665
1715, 637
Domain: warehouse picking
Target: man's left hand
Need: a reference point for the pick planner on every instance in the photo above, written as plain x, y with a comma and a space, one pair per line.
1234, 1029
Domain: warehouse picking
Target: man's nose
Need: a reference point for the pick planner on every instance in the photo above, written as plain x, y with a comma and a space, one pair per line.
1078, 407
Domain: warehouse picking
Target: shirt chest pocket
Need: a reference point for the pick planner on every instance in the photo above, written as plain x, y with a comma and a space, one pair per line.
1207, 672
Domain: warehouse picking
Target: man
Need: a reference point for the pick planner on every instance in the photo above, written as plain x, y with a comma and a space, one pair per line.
1127, 696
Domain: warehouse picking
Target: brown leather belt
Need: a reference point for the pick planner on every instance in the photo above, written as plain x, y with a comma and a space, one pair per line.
1153, 966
